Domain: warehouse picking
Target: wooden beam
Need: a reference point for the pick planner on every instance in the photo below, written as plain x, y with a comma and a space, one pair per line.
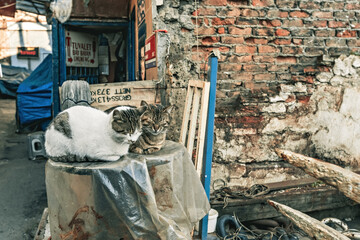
322, 199
345, 180
311, 226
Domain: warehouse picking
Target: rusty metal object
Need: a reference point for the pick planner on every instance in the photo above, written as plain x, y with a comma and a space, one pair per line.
344, 180
311, 226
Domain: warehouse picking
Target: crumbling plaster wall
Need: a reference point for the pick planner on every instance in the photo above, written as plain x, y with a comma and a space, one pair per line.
276, 82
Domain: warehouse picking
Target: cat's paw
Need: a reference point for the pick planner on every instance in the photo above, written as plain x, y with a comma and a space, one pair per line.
137, 150
151, 150
111, 158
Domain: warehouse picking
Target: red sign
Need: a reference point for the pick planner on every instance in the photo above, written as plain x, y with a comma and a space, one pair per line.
28, 52
150, 52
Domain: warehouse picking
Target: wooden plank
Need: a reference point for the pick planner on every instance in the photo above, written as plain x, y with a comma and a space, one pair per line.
202, 128
291, 183
186, 115
345, 180
306, 200
107, 95
311, 226
193, 120
197, 83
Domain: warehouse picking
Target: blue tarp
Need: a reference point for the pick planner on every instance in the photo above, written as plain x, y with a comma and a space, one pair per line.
12, 77
34, 96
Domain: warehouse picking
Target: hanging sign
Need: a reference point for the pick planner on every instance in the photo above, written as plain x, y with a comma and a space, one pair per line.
28, 52
81, 49
150, 52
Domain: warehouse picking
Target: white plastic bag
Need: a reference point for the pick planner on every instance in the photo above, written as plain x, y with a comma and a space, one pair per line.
61, 9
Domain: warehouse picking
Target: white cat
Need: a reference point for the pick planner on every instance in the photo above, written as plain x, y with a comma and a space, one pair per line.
83, 133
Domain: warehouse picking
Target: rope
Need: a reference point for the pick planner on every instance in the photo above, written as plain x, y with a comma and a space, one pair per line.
224, 193
6, 6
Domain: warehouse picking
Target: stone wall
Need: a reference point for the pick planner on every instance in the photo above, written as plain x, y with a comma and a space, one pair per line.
276, 85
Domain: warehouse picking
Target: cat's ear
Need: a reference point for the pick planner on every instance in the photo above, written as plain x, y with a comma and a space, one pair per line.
168, 109
142, 109
143, 103
116, 115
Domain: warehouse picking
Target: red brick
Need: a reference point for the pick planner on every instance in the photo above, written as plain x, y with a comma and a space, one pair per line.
267, 49
299, 14
291, 60
309, 5
205, 12
301, 78
264, 59
224, 49
293, 23
256, 40
209, 40
215, 2
322, 14
319, 23
221, 30
243, 76
232, 40
277, 14
250, 13
297, 41
355, 25
263, 31
245, 21
352, 6
230, 67
265, 76
262, 3
254, 68
291, 50
283, 14
204, 31
224, 21
245, 49
239, 59
282, 41
239, 31
278, 68
282, 32
336, 24
185, 30
303, 99
325, 33
238, 2
235, 12
276, 23
290, 99
346, 34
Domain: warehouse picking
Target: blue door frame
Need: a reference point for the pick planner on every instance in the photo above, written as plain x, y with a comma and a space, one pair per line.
58, 45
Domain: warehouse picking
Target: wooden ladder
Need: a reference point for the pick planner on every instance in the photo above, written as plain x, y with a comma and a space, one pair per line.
197, 98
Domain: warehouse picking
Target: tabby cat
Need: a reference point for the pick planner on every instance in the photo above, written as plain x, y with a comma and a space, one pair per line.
155, 123
83, 133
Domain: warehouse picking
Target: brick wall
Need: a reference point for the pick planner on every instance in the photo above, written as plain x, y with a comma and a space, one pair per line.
270, 54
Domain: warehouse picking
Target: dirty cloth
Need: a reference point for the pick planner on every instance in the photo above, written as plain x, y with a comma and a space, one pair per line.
156, 196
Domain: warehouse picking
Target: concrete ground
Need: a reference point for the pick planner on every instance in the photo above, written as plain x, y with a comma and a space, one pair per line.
22, 181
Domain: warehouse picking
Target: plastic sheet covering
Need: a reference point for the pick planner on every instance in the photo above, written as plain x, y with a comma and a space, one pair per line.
157, 196
61, 9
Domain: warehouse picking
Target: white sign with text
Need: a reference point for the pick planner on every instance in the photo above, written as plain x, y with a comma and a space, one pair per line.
81, 49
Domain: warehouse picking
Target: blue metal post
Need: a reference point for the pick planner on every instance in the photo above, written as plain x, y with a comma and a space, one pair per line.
55, 68
62, 54
209, 138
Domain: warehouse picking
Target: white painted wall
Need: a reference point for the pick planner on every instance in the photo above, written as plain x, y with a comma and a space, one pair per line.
28, 34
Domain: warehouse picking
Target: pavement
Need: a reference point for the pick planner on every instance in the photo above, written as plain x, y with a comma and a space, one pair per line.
22, 181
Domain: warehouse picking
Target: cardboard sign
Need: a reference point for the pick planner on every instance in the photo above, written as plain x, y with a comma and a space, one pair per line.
150, 52
104, 96
81, 49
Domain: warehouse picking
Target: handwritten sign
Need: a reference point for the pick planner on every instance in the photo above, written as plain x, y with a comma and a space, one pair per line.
104, 96
81, 49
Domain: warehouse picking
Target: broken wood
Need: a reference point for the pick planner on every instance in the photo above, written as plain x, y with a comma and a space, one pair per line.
311, 226
344, 180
